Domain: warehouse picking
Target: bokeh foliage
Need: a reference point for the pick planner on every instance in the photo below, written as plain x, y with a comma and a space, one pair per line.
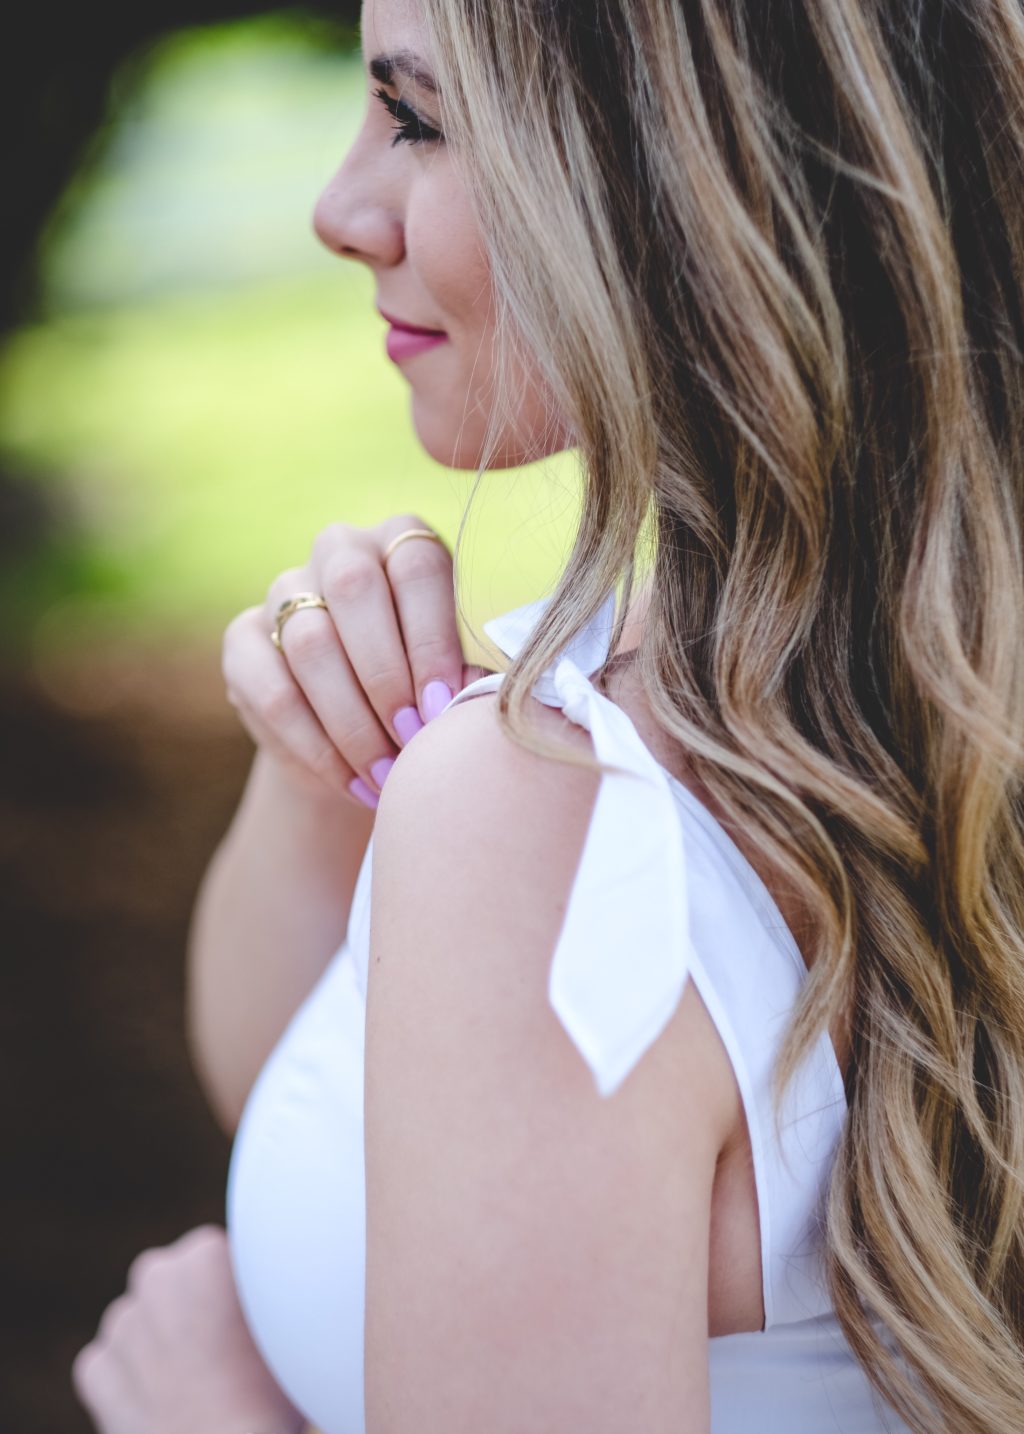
206, 387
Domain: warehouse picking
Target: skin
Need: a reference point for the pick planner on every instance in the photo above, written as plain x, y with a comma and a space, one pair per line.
404, 211
565, 1257
454, 1023
685, 1263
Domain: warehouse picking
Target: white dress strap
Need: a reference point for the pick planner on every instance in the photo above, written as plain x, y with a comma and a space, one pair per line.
620, 967
663, 894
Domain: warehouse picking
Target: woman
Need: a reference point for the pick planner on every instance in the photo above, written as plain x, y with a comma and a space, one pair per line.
763, 266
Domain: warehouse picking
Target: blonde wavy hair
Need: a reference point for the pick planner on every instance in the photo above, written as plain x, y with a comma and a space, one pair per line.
771, 260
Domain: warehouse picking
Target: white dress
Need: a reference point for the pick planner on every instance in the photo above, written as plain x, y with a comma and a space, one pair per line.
661, 895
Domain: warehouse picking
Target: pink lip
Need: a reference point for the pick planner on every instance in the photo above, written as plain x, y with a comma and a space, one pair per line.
406, 340
406, 343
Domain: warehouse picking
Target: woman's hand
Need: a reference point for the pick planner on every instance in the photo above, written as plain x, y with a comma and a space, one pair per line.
355, 682
174, 1356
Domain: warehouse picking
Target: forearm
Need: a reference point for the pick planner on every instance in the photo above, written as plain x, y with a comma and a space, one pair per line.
271, 910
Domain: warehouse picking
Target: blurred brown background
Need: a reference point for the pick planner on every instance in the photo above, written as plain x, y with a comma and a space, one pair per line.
104, 823
189, 389
119, 767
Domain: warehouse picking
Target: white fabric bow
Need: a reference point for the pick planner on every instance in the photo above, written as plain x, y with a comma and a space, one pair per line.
623, 953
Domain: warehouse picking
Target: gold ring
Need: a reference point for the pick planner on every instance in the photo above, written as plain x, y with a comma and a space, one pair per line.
412, 533
290, 605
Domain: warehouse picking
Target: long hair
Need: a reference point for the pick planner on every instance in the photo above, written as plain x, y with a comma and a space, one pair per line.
770, 258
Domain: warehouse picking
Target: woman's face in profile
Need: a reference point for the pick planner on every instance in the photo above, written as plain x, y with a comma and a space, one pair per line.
398, 204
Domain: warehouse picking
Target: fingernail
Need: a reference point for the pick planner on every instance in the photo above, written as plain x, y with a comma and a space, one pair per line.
406, 722
362, 793
381, 768
436, 696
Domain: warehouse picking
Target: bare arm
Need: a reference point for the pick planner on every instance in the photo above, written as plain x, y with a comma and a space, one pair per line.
328, 713
272, 909
519, 1227
273, 906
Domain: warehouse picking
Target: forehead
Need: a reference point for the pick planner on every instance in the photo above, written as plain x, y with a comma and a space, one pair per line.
390, 25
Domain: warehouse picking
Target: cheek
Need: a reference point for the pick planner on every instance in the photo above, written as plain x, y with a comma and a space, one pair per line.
443, 242
452, 401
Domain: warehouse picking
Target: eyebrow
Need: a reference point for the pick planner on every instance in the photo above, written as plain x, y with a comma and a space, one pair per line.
402, 62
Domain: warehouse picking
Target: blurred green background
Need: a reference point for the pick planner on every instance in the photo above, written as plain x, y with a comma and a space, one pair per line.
205, 386
190, 388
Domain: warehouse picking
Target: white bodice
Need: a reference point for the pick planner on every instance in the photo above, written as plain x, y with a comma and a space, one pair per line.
662, 895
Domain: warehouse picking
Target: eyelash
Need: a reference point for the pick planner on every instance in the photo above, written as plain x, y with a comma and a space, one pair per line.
408, 125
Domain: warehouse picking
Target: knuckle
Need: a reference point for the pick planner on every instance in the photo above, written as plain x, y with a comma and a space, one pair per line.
231, 673
331, 537
277, 704
243, 663
238, 623
235, 634
327, 763
114, 1320
351, 579
144, 1268
310, 640
86, 1370
434, 658
284, 585
205, 1239
419, 562
204, 1257
386, 681
363, 743
432, 649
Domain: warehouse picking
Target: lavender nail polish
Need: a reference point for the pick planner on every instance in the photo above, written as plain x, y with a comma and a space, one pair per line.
381, 768
362, 793
406, 722
436, 696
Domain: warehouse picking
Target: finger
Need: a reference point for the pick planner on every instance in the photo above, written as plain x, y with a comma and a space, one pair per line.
359, 599
284, 586
346, 571
421, 575
320, 665
87, 1373
117, 1319
259, 685
300, 744
201, 1263
143, 1268
274, 706
153, 1281
203, 1240
101, 1383
202, 1247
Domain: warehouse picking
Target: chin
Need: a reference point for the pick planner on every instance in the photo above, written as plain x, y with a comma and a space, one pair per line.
458, 444
439, 435
461, 444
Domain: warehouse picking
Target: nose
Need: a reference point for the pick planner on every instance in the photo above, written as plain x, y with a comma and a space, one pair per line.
353, 217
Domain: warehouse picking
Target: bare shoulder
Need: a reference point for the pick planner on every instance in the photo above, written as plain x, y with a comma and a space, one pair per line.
519, 1227
480, 810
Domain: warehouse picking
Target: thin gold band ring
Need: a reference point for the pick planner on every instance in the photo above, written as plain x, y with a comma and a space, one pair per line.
412, 533
298, 601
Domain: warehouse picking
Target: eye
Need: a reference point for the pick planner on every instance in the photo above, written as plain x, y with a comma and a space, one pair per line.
408, 124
